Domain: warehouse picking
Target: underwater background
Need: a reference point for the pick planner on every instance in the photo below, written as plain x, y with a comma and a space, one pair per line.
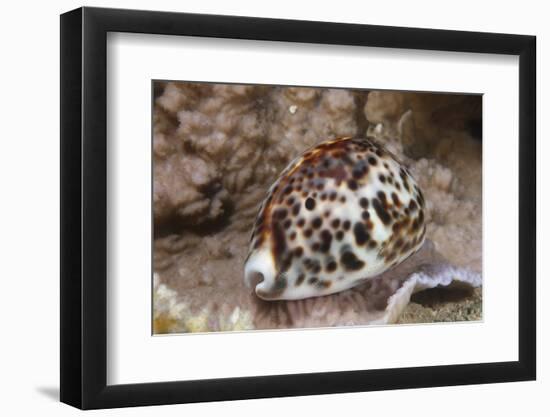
217, 148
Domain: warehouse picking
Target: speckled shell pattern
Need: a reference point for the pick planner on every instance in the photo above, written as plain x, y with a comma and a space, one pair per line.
341, 213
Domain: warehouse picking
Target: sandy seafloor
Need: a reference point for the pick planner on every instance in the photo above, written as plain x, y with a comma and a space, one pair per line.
217, 149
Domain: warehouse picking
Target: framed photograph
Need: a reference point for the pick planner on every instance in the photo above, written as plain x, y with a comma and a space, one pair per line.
257, 208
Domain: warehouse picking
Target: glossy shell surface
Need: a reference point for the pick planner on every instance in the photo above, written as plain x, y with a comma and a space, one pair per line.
341, 213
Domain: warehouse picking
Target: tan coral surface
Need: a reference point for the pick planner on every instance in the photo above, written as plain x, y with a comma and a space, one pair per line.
217, 149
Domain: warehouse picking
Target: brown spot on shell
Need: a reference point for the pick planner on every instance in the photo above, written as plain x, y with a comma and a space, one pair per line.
280, 214
361, 234
352, 184
326, 240
317, 222
395, 199
381, 212
338, 173
324, 284
331, 266
351, 262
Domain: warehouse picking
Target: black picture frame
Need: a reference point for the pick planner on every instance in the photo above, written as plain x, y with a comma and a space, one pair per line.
84, 207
